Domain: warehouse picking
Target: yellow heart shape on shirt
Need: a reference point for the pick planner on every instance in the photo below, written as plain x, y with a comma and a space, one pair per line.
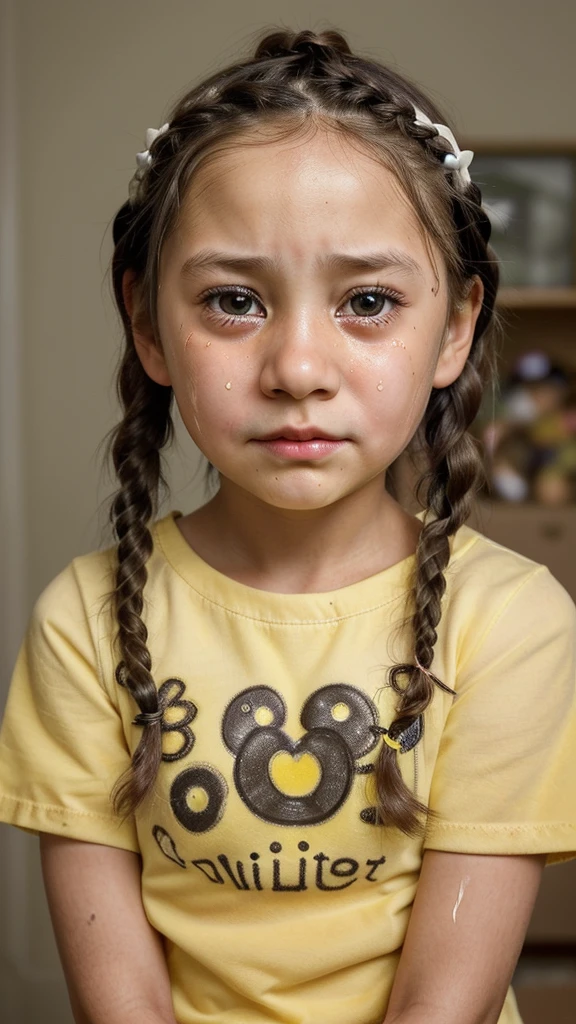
295, 775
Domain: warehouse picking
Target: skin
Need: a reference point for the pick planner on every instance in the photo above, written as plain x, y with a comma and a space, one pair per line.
301, 351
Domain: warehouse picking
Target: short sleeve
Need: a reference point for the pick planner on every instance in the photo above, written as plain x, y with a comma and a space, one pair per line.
505, 777
62, 744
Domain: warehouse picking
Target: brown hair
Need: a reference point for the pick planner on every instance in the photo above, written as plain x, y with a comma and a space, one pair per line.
292, 81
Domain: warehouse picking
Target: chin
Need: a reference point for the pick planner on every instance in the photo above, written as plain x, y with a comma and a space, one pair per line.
304, 500
303, 491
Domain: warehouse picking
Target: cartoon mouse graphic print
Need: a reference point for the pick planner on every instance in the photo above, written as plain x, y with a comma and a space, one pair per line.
280, 780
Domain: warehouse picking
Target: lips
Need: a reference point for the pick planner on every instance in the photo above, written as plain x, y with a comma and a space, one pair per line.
304, 434
290, 449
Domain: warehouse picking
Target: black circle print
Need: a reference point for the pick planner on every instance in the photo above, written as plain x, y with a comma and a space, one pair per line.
345, 709
204, 787
249, 710
281, 780
257, 789
339, 719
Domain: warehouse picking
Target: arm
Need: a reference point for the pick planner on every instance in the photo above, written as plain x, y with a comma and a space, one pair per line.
113, 959
465, 934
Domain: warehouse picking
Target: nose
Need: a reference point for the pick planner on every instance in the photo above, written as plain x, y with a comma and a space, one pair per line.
300, 358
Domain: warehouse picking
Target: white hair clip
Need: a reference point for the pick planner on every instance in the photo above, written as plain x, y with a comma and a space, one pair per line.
460, 159
143, 160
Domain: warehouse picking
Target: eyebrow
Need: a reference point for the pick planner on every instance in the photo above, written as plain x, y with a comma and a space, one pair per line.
390, 259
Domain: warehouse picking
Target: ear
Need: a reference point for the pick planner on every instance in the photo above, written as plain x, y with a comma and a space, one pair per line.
459, 336
149, 352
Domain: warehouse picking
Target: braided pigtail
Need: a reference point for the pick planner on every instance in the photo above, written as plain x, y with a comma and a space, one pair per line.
456, 469
293, 83
454, 474
135, 448
145, 429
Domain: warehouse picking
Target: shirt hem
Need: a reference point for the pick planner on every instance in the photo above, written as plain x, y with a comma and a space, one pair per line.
556, 839
35, 818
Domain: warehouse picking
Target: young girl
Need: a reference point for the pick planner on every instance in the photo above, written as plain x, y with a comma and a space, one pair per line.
298, 756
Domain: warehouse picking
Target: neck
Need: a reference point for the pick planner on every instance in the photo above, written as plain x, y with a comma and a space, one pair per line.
300, 551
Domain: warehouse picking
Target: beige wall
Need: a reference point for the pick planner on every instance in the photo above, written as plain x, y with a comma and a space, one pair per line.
91, 77
94, 76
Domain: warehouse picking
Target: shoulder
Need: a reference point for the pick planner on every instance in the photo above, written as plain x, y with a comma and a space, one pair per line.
80, 589
86, 584
73, 612
481, 565
489, 583
79, 597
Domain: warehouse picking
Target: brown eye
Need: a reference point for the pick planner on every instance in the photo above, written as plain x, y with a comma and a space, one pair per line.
374, 304
368, 303
235, 303
225, 304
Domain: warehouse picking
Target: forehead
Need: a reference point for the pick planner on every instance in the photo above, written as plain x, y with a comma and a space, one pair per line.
296, 197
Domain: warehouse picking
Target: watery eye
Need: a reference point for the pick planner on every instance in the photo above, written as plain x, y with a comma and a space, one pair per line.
235, 303
367, 303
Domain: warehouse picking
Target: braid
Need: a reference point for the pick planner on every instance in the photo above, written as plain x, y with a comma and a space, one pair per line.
314, 45
455, 471
145, 429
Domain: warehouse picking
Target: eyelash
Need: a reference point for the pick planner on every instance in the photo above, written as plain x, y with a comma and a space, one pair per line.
227, 319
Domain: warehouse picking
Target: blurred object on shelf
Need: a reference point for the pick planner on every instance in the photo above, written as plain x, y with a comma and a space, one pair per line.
529, 197
528, 432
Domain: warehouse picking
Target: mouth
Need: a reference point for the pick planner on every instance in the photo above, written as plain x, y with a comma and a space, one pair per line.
305, 434
306, 446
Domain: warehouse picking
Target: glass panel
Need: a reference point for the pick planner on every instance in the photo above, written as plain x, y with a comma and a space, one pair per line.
530, 203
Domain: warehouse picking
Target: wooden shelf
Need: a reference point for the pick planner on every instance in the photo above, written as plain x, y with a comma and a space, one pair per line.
537, 298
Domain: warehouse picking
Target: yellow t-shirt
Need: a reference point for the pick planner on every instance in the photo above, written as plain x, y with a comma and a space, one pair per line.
278, 896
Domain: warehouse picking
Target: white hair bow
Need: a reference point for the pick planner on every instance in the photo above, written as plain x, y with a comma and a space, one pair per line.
144, 159
458, 161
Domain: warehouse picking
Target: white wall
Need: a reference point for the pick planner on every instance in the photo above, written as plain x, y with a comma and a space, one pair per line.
89, 78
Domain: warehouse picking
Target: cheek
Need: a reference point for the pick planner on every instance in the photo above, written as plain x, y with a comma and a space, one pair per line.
396, 386
208, 384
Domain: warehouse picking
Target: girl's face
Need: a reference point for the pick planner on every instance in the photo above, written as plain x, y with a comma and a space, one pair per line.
297, 295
